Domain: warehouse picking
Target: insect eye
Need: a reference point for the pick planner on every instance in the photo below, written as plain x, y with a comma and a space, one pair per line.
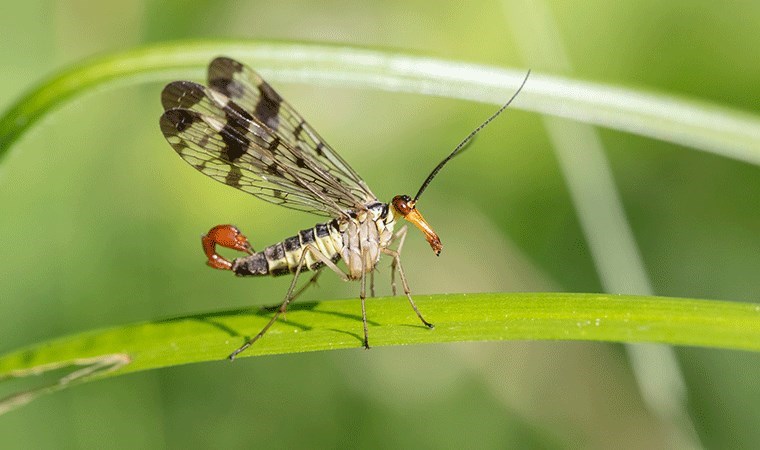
403, 204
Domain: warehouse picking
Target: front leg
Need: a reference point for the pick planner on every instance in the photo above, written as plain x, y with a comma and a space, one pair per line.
400, 235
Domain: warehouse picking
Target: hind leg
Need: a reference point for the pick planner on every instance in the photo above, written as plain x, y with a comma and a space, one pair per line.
289, 296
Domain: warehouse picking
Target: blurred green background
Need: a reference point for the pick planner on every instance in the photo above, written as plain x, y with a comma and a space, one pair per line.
100, 223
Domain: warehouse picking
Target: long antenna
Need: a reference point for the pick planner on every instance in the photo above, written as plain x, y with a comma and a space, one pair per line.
466, 140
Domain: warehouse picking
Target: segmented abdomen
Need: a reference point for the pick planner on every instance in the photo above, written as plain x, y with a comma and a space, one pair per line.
283, 257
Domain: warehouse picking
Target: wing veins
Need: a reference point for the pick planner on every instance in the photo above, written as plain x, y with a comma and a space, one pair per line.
261, 145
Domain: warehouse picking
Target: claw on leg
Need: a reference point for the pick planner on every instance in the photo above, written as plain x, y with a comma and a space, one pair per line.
227, 236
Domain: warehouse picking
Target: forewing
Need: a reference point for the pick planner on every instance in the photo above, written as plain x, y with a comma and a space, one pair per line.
223, 141
247, 89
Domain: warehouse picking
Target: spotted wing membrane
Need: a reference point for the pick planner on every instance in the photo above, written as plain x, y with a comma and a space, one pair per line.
240, 132
246, 88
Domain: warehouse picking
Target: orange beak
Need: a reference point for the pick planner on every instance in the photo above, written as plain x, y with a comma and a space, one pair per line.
416, 218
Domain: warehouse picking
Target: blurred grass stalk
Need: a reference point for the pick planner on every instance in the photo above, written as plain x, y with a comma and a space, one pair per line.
602, 217
723, 131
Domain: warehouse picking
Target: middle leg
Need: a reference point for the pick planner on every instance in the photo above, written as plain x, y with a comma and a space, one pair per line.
363, 298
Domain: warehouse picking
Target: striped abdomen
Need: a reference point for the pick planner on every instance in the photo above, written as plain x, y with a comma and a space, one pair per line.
283, 257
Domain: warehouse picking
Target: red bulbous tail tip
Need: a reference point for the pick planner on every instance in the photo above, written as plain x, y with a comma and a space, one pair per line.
227, 236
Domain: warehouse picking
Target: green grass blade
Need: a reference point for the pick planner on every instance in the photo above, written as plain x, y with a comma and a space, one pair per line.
337, 324
702, 126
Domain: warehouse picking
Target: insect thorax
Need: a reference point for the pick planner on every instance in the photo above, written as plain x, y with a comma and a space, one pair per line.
364, 235
357, 239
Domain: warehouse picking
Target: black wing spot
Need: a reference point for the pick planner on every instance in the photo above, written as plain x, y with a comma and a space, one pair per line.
269, 93
234, 89
220, 84
181, 94
274, 145
221, 77
229, 130
268, 107
236, 144
233, 177
239, 111
298, 130
176, 121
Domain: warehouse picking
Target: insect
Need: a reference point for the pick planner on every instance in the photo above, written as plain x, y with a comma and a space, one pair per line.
238, 130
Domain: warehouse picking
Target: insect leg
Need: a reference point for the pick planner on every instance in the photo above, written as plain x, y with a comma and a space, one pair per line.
327, 262
312, 280
344, 277
372, 283
289, 296
277, 313
397, 260
363, 297
401, 236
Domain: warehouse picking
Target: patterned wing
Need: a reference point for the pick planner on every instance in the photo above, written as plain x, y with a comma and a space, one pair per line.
222, 139
247, 89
